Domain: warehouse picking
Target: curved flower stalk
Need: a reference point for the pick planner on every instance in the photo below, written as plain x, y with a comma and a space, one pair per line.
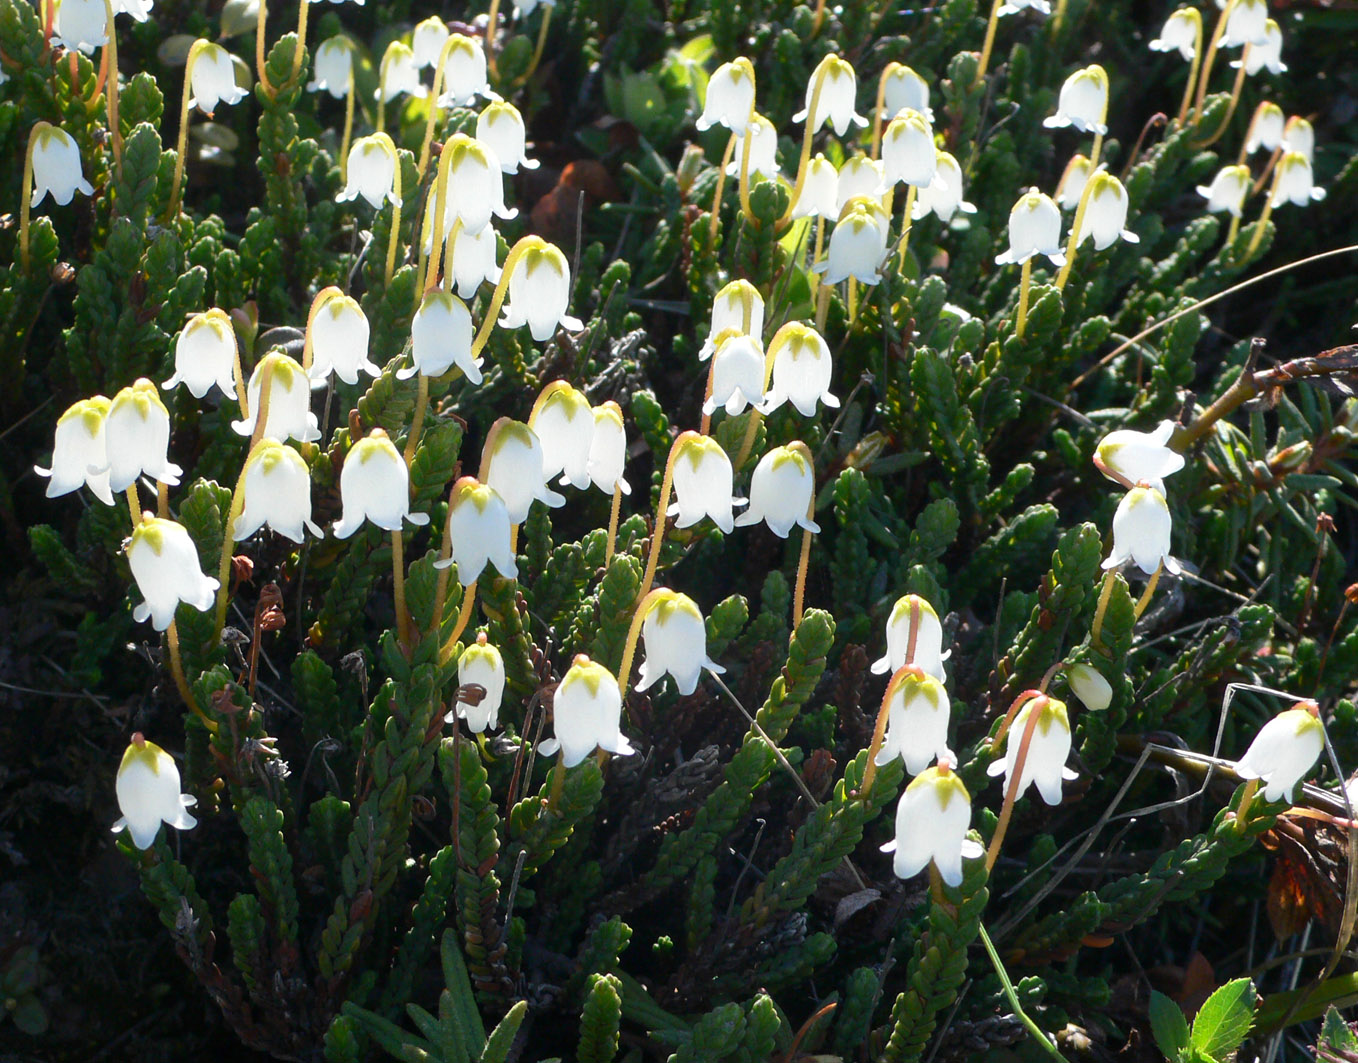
286, 407
514, 467
277, 492
782, 492
375, 486
918, 711
738, 306
932, 820
564, 422
913, 641
206, 354
137, 436
1129, 457
586, 714
479, 532
674, 635
164, 564
802, 370
481, 665
148, 793
79, 452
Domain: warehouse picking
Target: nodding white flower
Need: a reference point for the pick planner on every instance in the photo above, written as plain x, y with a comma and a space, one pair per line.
464, 72
205, 354
140, 10
339, 341
213, 79
515, 458
1181, 32
334, 67
820, 190
608, 449
702, 484
730, 97
79, 451
277, 493
1266, 128
540, 292
1126, 456
1269, 54
289, 415
1141, 529
501, 127
1228, 190
781, 490
1090, 686
903, 89
918, 711
1246, 24
944, 195
738, 306
441, 336
148, 793
838, 86
372, 171
859, 176
802, 370
81, 25
908, 152
399, 73
137, 435
563, 420
482, 665
375, 486
164, 563
763, 148
1072, 184
478, 527
1034, 229
1294, 183
56, 167
929, 655
586, 714
1045, 764
931, 825
858, 243
1105, 213
675, 640
1284, 750
1083, 102
427, 42
1300, 136
1013, 7
475, 184
737, 374
471, 256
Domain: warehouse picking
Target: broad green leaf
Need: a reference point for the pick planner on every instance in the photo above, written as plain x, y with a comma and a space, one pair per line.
1225, 1019
1168, 1025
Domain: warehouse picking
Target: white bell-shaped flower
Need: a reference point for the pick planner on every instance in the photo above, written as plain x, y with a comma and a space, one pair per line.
471, 257
140, 10
738, 306
164, 563
859, 176
334, 67
903, 89
1106, 213
372, 172
820, 190
475, 189
289, 415
81, 25
929, 655
79, 452
1269, 54
1294, 183
375, 486
478, 528
1284, 751
802, 370
1045, 763
1180, 33
1228, 190
399, 73
944, 195
1141, 531
781, 490
524, 8
1034, 229
137, 435
586, 714
540, 292
1083, 102
339, 340
148, 793
737, 374
932, 820
1013, 7
675, 639
763, 149
501, 127
213, 79
1090, 686
1127, 456
1300, 136
205, 354
908, 152
441, 335
730, 97
56, 167
608, 449
703, 481
516, 469
1266, 129
427, 42
1246, 24
464, 72
858, 243
918, 710
1072, 184
480, 665
563, 420
838, 87
277, 493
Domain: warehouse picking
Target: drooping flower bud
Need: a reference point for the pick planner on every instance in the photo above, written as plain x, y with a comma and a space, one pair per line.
737, 374
1267, 129
1294, 183
1090, 686
763, 148
1269, 54
838, 87
820, 190
1045, 764
931, 825
1180, 32
1034, 229
56, 167
608, 449
501, 127
738, 306
213, 79
464, 73
372, 172
944, 195
277, 493
1106, 213
399, 73
441, 336
730, 97
148, 793
563, 420
1083, 102
781, 490
205, 354
164, 563
908, 152
802, 370
1300, 136
427, 42
339, 340
929, 655
1139, 457
904, 90
478, 527
858, 243
289, 414
1072, 184
918, 711
586, 714
540, 292
482, 665
702, 484
1141, 530
334, 67
137, 435
516, 469
1228, 190
375, 486
859, 176
1284, 750
79, 451
675, 639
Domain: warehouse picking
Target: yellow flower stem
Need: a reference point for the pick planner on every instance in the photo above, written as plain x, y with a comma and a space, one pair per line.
907, 222
819, 17
1073, 244
891, 69
1206, 73
497, 297
804, 559
1193, 68
611, 543
463, 619
744, 179
323, 297
817, 249
162, 499
181, 680
110, 58
261, 62
1234, 230
879, 729
1268, 170
134, 504
303, 10
262, 414
822, 306
417, 418
1025, 281
439, 194
395, 237
989, 45
1097, 150
807, 137
1060, 15
492, 27
751, 433
1246, 799
176, 182
705, 424
398, 575
853, 300
1145, 599
1105, 595
1011, 791
26, 190
629, 647
381, 125
666, 485
558, 783
348, 136
444, 53
1235, 99
1264, 216
229, 545
539, 47
721, 186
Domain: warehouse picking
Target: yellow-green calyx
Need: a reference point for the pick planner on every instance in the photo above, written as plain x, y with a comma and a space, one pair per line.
141, 751
790, 455
697, 448
588, 672
91, 412
945, 783
666, 603
901, 613
150, 531
860, 211
470, 489
377, 443
142, 396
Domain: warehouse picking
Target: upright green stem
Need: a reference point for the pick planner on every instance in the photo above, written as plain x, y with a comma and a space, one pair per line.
629, 647
613, 514
501, 290
989, 45
743, 182
907, 222
398, 575
182, 681
26, 190
176, 182
804, 559
1206, 75
721, 186
463, 619
817, 20
1060, 15
1246, 799
492, 27
395, 237
666, 485
262, 414
134, 505
417, 419
540, 46
1025, 281
348, 126
444, 53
